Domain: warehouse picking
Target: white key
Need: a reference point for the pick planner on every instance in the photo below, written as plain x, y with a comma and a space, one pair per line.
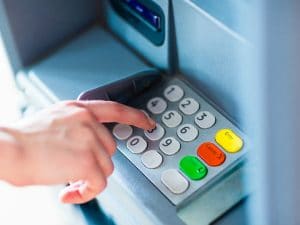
171, 118
157, 105
174, 181
136, 144
187, 132
122, 131
169, 146
189, 106
156, 133
205, 119
173, 93
152, 159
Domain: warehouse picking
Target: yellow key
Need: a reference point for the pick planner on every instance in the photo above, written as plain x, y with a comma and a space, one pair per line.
228, 140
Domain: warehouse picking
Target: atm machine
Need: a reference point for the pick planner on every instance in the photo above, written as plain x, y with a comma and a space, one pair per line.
64, 49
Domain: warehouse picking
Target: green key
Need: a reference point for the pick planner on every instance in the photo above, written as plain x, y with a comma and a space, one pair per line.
192, 167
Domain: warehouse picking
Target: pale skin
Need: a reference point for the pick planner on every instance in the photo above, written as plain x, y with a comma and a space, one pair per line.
66, 144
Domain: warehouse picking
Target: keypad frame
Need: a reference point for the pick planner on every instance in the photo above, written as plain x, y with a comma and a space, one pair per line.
187, 148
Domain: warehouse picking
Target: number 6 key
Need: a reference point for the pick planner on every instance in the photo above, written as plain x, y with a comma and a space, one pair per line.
187, 132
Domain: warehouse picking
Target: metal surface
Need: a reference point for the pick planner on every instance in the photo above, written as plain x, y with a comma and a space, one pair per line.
187, 148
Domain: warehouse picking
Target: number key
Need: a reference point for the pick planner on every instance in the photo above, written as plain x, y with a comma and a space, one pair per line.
189, 106
169, 146
187, 132
157, 105
205, 119
156, 133
136, 144
173, 93
171, 118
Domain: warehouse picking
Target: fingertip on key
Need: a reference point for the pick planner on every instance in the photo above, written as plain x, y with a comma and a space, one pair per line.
152, 122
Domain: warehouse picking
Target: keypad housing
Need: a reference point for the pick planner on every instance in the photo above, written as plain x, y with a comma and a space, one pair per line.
206, 133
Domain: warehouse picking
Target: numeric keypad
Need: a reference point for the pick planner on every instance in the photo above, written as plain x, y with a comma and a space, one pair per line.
187, 148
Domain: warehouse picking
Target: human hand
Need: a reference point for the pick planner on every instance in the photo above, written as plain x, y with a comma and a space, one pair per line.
67, 143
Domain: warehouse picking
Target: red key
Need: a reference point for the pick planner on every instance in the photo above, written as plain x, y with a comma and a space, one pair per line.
211, 154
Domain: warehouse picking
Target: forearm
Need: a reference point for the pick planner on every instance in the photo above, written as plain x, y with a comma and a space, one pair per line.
10, 155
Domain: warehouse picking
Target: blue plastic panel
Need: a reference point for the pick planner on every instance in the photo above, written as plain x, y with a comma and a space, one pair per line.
145, 16
209, 55
230, 12
39, 26
157, 55
93, 59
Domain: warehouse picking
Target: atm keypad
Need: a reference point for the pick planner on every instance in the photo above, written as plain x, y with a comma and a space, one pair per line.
192, 145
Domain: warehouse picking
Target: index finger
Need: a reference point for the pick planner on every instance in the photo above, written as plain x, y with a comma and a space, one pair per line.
109, 111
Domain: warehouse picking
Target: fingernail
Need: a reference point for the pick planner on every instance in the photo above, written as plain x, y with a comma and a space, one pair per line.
145, 113
152, 122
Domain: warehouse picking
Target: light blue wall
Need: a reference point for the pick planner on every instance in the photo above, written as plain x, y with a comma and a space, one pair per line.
210, 54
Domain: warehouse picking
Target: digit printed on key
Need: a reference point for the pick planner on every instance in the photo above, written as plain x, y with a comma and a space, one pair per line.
189, 106
157, 105
169, 146
205, 119
187, 132
136, 144
173, 93
171, 118
156, 133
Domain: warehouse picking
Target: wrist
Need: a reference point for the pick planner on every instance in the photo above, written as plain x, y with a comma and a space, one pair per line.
11, 158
